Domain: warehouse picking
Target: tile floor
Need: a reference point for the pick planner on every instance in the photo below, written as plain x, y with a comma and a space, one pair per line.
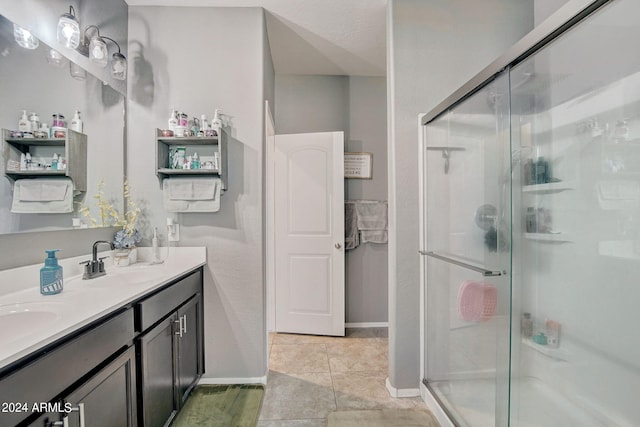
312, 376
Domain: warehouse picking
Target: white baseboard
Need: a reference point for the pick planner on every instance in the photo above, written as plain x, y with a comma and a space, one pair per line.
434, 407
225, 381
402, 392
367, 325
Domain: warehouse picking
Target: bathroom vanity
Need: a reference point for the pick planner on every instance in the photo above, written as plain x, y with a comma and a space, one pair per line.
123, 349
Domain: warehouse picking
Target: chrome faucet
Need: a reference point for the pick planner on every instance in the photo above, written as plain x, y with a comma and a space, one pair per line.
95, 267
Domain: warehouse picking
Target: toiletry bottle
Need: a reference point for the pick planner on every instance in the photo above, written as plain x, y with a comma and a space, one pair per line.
76, 122
54, 162
28, 161
34, 121
154, 245
23, 124
23, 162
526, 325
216, 122
195, 161
173, 120
51, 275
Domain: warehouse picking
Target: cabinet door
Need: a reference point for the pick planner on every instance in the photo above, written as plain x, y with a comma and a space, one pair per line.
157, 361
106, 400
189, 346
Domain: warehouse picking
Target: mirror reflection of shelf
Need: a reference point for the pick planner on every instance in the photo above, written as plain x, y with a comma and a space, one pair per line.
549, 188
548, 237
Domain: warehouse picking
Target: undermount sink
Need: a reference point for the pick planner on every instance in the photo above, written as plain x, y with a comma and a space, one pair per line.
24, 318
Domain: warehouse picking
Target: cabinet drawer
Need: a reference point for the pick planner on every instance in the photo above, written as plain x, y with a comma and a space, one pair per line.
57, 369
158, 306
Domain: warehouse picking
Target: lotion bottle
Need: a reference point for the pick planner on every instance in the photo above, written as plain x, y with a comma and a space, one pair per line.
216, 122
76, 122
173, 120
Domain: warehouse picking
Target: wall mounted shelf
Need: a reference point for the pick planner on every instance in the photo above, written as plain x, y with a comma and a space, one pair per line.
548, 188
206, 147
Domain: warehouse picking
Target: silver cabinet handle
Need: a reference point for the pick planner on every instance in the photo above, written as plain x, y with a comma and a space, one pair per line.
185, 324
65, 419
179, 322
337, 245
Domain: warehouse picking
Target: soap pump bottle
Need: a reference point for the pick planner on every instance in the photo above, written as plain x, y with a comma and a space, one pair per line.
76, 122
24, 125
51, 275
173, 120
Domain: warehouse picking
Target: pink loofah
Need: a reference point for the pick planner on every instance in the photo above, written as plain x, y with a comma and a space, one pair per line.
477, 301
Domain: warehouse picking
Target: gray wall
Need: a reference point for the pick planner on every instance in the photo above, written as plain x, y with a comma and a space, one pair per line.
231, 75
433, 48
356, 106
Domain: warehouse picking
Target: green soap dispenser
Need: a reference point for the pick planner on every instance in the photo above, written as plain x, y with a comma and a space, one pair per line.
51, 275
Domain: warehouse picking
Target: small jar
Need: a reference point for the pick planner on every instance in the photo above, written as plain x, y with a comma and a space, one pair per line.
183, 120
58, 121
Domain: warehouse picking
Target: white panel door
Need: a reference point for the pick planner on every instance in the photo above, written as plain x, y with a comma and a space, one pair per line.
309, 233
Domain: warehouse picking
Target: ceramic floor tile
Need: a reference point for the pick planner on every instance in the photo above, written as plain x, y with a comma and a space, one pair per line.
299, 358
358, 355
367, 390
297, 396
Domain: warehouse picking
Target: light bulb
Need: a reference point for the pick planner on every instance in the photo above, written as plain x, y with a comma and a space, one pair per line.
24, 38
119, 66
55, 58
68, 31
98, 51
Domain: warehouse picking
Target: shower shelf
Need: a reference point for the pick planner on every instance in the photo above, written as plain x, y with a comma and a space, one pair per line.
548, 237
551, 352
549, 188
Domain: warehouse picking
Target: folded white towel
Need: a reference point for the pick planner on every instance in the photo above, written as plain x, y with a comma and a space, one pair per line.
374, 236
42, 195
192, 188
187, 194
372, 215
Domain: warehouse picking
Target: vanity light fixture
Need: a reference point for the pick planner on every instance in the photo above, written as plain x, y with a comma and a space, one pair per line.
98, 52
24, 38
69, 29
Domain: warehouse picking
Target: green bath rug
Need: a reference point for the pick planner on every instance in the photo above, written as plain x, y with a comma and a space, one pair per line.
222, 406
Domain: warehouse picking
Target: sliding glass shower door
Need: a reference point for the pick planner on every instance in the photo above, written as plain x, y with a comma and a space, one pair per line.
467, 257
531, 242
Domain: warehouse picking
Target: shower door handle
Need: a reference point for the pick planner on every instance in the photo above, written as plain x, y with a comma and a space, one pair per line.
337, 245
485, 272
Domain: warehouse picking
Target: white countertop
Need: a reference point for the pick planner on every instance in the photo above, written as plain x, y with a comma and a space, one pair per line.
29, 320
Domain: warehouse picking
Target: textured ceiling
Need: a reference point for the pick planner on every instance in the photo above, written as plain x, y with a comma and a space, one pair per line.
334, 37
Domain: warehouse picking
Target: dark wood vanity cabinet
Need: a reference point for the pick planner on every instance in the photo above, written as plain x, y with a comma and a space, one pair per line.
107, 399
170, 353
134, 367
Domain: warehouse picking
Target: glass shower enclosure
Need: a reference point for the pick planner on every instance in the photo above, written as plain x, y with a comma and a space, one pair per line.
530, 242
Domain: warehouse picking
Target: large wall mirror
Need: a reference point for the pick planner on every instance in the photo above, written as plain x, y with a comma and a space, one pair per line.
43, 81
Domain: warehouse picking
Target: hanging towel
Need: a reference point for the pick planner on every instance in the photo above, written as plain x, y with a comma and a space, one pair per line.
198, 194
351, 235
42, 195
372, 221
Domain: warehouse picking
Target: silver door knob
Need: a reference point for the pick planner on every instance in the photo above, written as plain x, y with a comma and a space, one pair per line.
337, 245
